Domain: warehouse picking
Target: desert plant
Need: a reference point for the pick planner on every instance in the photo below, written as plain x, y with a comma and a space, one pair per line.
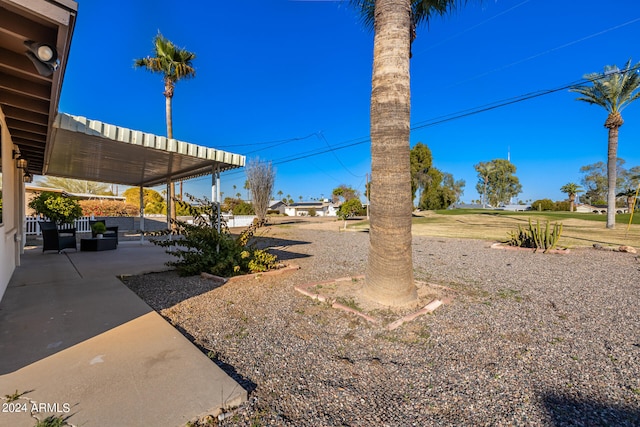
206, 246
261, 175
536, 237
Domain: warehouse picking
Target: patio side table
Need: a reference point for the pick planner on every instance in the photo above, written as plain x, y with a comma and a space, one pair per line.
95, 244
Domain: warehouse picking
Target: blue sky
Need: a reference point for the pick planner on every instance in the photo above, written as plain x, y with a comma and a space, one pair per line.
285, 79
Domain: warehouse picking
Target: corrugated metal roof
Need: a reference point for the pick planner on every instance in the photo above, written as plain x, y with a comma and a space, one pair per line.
92, 150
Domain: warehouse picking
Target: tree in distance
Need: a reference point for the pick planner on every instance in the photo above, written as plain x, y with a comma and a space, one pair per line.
497, 182
571, 190
344, 193
348, 209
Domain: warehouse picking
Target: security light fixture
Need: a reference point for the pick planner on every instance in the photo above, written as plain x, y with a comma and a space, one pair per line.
44, 56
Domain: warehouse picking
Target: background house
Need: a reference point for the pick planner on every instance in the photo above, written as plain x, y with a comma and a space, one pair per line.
277, 205
316, 208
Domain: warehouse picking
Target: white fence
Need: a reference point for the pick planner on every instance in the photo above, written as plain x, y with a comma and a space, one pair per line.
238, 220
33, 228
82, 225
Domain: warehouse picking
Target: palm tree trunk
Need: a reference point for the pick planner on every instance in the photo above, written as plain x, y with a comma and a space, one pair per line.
389, 272
169, 110
572, 199
612, 158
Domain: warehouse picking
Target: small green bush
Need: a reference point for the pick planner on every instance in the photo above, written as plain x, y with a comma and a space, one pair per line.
535, 237
542, 205
99, 228
564, 205
243, 208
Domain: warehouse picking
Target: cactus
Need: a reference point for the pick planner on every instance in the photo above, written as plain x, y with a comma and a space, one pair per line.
535, 237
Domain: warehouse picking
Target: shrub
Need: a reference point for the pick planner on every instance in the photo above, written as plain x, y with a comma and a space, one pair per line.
564, 205
542, 205
57, 208
243, 208
108, 208
312, 212
535, 237
202, 248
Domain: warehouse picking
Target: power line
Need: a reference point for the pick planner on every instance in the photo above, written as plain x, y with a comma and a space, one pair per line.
520, 61
473, 27
439, 120
321, 135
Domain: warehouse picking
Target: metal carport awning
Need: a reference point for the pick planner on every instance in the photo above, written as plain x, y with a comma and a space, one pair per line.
91, 150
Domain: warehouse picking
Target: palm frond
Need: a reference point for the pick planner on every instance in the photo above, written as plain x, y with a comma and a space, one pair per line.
613, 90
173, 62
422, 10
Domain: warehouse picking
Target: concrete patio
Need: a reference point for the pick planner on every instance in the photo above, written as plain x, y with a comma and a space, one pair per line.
78, 343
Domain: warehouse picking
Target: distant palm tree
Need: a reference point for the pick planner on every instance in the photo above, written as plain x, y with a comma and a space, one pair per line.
571, 189
75, 185
247, 186
389, 271
630, 194
614, 91
173, 64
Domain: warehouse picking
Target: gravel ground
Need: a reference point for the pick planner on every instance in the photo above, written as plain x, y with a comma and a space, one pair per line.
528, 339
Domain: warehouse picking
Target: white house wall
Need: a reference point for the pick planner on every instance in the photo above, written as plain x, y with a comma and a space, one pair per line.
10, 227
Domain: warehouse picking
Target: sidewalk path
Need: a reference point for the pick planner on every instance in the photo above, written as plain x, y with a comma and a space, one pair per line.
80, 344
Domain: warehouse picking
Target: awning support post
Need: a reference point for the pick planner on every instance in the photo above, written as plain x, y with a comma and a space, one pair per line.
169, 202
141, 215
215, 197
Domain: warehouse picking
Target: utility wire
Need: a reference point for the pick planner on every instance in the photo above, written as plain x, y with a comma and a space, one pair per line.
520, 61
321, 135
439, 120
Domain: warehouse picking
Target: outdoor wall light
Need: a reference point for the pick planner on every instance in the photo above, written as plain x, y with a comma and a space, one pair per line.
43, 56
21, 162
27, 178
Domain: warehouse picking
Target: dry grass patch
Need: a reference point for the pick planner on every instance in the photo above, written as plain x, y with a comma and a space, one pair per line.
495, 227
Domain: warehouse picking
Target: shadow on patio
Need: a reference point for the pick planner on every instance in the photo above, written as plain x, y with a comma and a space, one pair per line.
72, 332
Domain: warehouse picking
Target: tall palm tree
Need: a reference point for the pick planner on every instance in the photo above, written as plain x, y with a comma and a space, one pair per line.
173, 64
571, 189
614, 91
389, 271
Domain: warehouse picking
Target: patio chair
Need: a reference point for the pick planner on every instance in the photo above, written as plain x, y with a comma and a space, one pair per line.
57, 240
112, 231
